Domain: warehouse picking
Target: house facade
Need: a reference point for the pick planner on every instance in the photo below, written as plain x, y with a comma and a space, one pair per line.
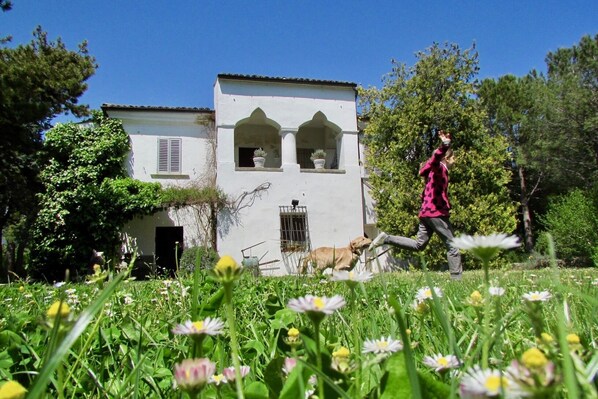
277, 212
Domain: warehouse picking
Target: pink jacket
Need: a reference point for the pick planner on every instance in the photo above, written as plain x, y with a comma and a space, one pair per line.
435, 200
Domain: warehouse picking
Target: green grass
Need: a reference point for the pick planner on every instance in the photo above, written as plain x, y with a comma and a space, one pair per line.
120, 342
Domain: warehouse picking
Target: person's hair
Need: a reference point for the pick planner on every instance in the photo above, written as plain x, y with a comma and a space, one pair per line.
449, 156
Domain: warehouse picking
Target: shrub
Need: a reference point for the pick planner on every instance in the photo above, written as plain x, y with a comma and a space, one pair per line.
572, 220
207, 258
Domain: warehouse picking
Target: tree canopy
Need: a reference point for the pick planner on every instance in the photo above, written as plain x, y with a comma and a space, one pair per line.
436, 93
38, 81
550, 123
87, 197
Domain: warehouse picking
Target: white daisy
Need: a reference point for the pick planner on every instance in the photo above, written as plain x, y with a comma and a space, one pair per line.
351, 276
229, 373
426, 293
127, 299
496, 291
289, 364
484, 383
208, 326
316, 304
382, 345
441, 362
217, 379
537, 296
485, 247
193, 374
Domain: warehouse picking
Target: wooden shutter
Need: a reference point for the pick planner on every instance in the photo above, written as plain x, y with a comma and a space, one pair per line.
163, 155
169, 155
175, 155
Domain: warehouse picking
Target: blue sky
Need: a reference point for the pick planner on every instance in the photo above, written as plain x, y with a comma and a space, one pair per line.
169, 53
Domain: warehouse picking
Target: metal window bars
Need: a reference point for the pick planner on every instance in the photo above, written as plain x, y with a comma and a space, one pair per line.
294, 229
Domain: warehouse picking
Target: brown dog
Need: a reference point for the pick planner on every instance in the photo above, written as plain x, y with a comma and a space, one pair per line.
335, 258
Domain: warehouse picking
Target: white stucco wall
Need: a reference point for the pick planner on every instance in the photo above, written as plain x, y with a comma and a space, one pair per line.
196, 131
333, 198
145, 128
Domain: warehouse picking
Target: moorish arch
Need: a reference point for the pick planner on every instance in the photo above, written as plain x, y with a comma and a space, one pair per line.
319, 133
257, 131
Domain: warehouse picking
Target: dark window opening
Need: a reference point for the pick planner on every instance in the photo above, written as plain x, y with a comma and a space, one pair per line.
246, 156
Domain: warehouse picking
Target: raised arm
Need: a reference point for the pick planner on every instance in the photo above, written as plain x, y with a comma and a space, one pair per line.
434, 160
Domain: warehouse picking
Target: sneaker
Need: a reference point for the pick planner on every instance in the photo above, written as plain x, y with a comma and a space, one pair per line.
379, 240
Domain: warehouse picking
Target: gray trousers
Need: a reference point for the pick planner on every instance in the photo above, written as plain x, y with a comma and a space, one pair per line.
427, 226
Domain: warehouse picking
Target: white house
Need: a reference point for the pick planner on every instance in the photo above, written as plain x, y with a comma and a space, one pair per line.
281, 210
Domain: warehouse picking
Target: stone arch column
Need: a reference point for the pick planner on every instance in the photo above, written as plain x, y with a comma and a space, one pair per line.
289, 146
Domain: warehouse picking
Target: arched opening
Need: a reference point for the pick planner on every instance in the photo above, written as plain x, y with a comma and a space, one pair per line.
319, 133
254, 132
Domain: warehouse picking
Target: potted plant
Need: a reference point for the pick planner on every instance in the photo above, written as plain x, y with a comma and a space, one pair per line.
259, 157
319, 158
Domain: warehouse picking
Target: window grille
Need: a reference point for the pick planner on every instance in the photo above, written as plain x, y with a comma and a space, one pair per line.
304, 158
169, 155
294, 230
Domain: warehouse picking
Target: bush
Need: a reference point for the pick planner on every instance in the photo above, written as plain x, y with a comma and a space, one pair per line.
572, 220
207, 259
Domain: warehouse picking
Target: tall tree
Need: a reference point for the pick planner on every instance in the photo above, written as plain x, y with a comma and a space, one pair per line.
573, 73
516, 112
87, 197
37, 82
435, 93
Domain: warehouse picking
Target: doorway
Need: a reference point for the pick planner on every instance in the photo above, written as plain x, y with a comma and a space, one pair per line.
169, 248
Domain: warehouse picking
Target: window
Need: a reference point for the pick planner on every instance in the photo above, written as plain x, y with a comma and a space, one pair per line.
304, 158
246, 156
294, 232
169, 155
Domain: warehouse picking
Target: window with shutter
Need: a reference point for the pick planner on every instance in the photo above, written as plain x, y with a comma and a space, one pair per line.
169, 155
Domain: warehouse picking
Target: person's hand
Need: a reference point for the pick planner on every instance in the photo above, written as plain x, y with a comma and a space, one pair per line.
444, 136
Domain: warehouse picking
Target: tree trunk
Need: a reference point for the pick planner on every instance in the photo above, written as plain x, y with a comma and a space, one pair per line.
525, 212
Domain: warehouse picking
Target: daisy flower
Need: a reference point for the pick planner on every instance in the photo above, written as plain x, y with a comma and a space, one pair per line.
208, 326
484, 383
496, 291
537, 296
441, 362
58, 308
288, 365
351, 277
12, 389
420, 307
229, 372
227, 269
340, 360
476, 299
485, 247
217, 379
316, 307
382, 346
534, 358
426, 293
191, 375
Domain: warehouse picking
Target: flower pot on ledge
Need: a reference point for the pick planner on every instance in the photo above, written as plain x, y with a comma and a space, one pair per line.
319, 163
258, 162
318, 157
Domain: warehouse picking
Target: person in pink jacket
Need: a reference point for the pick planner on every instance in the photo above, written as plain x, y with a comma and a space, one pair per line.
435, 208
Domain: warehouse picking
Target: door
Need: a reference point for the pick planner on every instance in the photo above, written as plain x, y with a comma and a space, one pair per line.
169, 248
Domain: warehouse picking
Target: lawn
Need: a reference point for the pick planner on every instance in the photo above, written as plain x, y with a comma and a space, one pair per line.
518, 333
